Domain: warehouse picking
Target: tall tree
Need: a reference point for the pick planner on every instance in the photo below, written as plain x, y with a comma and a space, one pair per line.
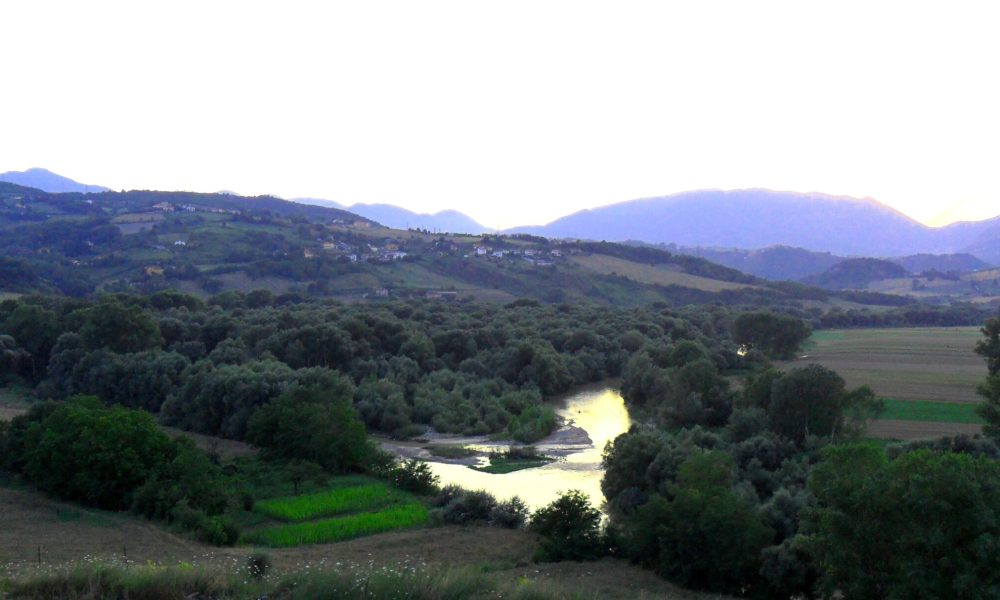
989, 389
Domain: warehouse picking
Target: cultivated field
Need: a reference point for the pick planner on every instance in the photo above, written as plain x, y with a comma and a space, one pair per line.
652, 274
927, 375
352, 507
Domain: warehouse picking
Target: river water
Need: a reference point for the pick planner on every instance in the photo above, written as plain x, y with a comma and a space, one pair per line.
599, 412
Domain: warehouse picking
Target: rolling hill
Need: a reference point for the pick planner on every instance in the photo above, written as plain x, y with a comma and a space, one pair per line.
856, 274
784, 263
754, 219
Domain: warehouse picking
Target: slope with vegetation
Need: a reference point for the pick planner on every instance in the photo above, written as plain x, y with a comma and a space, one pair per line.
144, 242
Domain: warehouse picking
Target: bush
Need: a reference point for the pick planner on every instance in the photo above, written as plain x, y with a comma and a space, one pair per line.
570, 529
414, 476
471, 506
216, 530
511, 514
533, 424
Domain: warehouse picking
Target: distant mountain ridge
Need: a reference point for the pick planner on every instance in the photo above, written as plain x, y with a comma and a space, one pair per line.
47, 181
785, 263
397, 217
756, 218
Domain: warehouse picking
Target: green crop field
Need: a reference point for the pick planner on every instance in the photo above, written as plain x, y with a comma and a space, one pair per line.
341, 528
941, 412
328, 503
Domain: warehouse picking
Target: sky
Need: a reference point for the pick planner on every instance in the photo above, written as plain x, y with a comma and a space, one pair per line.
514, 112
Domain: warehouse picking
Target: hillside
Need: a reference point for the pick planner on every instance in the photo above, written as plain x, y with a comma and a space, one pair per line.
48, 181
144, 241
754, 219
784, 263
856, 274
777, 263
957, 263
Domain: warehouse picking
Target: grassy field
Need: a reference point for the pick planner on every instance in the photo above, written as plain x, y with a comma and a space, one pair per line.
921, 363
927, 376
331, 502
921, 410
650, 274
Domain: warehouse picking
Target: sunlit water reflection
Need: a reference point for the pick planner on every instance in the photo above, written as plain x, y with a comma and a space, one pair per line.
600, 412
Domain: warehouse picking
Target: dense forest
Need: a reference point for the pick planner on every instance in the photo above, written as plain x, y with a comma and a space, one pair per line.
461, 368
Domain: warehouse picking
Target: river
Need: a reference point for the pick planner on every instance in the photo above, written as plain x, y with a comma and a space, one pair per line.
592, 416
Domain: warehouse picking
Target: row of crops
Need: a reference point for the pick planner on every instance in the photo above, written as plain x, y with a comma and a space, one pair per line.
355, 508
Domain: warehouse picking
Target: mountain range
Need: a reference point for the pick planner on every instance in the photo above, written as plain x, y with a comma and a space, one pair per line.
756, 218
749, 220
785, 263
400, 218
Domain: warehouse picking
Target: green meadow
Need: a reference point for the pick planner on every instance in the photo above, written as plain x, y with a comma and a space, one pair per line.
341, 528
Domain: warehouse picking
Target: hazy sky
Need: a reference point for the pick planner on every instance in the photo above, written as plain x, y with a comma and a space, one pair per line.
515, 112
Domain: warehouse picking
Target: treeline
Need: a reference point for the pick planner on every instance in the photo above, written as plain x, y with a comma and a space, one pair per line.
768, 492
460, 368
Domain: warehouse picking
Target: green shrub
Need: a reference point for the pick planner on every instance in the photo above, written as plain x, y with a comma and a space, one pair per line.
467, 507
414, 476
570, 529
510, 514
533, 424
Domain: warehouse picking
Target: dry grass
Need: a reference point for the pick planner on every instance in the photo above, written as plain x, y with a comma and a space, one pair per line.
652, 274
921, 363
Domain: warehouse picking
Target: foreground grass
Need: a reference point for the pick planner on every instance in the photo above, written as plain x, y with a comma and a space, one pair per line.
340, 528
922, 410
98, 582
328, 503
